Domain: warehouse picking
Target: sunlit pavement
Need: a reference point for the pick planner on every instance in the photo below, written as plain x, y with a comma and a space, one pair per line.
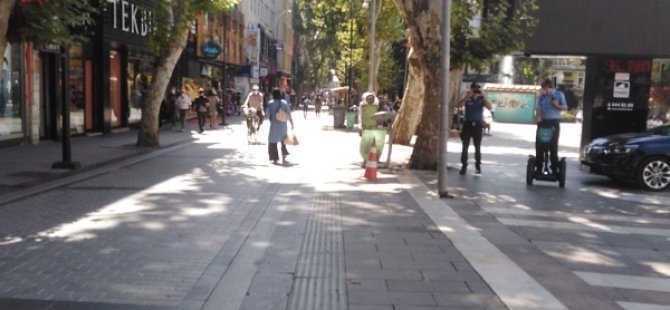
211, 224
594, 244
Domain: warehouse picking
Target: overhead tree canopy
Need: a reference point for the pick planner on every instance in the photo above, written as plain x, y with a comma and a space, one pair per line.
56, 21
504, 26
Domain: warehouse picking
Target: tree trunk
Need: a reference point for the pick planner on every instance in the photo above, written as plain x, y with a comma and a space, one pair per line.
6, 7
424, 21
377, 51
408, 117
148, 132
455, 80
425, 154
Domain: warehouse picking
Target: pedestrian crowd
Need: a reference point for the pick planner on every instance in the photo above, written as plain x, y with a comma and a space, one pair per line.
212, 105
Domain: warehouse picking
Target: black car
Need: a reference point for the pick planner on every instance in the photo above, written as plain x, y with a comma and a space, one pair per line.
642, 157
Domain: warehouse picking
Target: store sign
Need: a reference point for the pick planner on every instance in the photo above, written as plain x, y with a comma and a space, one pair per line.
211, 49
131, 18
513, 107
621, 85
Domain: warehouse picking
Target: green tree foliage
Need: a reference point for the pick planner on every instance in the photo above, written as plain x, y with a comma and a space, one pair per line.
172, 18
323, 25
52, 21
504, 27
336, 34
530, 70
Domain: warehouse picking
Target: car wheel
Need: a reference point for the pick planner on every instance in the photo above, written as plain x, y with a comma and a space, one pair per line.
654, 174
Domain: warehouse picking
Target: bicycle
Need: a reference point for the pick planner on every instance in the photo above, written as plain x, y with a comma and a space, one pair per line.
252, 126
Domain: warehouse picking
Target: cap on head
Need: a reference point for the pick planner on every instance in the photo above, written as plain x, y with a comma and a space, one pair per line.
475, 85
255, 87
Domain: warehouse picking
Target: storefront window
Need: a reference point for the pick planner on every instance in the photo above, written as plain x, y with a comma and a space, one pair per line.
76, 88
11, 108
138, 87
115, 87
659, 99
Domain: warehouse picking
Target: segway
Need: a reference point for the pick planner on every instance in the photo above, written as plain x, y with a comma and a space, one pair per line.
544, 137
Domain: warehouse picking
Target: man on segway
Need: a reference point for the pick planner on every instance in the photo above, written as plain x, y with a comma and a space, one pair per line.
548, 114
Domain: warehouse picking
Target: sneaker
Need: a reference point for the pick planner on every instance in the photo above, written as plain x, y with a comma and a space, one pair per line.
478, 169
462, 171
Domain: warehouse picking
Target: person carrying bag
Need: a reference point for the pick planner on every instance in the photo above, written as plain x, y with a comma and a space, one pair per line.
279, 114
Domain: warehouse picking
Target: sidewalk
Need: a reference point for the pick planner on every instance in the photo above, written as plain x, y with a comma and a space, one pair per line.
333, 240
318, 236
24, 166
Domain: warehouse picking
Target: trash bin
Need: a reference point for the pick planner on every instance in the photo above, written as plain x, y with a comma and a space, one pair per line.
367, 110
366, 141
351, 118
338, 116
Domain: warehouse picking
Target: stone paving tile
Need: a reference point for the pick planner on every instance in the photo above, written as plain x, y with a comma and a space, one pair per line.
443, 308
369, 307
390, 298
433, 265
468, 299
366, 285
383, 274
428, 286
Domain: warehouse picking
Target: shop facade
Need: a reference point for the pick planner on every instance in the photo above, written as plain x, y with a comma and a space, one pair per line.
627, 76
12, 102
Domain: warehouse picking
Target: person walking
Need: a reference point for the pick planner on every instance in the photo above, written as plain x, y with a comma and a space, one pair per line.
184, 105
474, 103
236, 99
201, 103
278, 127
255, 100
168, 107
305, 105
547, 114
213, 107
318, 102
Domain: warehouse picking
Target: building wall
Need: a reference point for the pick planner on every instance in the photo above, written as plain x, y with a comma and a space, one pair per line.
606, 27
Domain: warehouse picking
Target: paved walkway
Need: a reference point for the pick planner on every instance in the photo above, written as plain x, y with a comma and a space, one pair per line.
207, 223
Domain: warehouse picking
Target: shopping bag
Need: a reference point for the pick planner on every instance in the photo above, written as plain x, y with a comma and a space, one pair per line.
281, 116
291, 139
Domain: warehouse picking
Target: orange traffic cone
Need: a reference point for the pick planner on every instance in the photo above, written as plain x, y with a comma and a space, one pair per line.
371, 165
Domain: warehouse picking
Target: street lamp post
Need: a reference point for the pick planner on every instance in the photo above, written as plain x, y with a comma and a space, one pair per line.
351, 52
373, 23
444, 107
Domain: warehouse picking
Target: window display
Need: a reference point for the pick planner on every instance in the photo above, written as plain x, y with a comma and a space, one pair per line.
659, 101
11, 105
76, 88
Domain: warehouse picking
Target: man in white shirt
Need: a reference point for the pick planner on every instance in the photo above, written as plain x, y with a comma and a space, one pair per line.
184, 104
254, 100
